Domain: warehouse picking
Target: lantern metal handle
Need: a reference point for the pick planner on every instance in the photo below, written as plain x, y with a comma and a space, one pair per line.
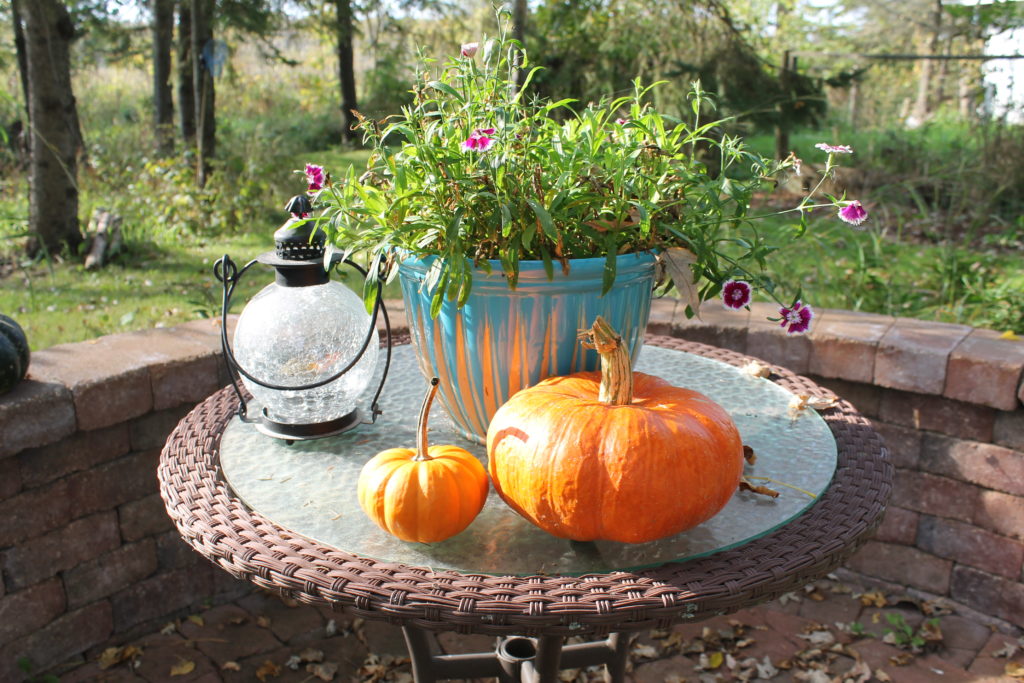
228, 274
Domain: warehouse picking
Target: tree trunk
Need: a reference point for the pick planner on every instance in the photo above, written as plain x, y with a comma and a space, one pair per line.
186, 89
782, 111
922, 106
19, 47
346, 67
163, 105
54, 134
206, 122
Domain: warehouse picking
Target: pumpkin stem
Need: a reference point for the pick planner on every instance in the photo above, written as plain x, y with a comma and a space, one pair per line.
421, 423
616, 367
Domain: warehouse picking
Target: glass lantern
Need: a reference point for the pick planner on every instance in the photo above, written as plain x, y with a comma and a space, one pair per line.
304, 347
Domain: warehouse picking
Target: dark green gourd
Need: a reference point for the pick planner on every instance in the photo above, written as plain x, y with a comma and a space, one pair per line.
14, 354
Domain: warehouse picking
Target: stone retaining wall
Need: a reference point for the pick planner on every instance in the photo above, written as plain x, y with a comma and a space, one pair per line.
947, 399
88, 557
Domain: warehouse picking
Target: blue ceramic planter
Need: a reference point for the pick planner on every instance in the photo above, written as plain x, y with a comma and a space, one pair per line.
504, 340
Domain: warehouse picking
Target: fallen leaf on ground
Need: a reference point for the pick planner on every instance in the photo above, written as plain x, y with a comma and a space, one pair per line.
902, 659
873, 599
645, 651
196, 619
1007, 650
267, 669
820, 638
230, 666
263, 621
765, 669
325, 671
860, 672
183, 668
113, 656
168, 629
1014, 670
882, 676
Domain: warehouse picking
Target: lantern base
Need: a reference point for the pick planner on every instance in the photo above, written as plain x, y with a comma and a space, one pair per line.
313, 430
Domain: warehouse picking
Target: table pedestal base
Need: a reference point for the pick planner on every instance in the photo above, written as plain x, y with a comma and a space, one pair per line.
516, 659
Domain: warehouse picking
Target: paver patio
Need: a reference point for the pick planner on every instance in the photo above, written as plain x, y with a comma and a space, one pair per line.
835, 630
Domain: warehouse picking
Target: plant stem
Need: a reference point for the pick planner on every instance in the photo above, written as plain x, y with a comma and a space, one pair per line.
616, 368
421, 423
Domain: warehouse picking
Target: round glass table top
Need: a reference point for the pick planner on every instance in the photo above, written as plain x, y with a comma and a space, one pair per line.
309, 487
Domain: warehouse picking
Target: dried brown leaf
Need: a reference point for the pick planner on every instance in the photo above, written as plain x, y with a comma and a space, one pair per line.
754, 488
183, 668
267, 669
679, 263
882, 676
800, 402
113, 656
325, 671
820, 638
755, 369
230, 666
197, 620
263, 621
749, 455
860, 672
1014, 670
931, 632
873, 599
902, 659
645, 651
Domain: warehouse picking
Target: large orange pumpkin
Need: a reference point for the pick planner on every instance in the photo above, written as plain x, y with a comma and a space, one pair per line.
423, 494
613, 455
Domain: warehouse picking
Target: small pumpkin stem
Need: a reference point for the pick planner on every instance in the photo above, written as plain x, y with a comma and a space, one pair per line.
616, 367
421, 423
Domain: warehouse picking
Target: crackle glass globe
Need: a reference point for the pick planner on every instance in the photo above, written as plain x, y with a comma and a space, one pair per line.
292, 336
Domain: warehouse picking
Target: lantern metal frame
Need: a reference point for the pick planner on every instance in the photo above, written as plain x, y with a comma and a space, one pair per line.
229, 275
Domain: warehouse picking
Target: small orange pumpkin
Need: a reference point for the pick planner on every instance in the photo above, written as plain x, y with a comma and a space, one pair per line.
423, 494
613, 455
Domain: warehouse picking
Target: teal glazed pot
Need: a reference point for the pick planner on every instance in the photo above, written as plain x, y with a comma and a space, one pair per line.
504, 340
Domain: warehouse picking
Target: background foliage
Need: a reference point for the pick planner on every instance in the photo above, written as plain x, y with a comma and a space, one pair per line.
946, 196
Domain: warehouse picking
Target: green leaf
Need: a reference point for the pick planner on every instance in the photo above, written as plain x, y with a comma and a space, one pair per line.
436, 301
451, 235
446, 89
545, 219
608, 276
549, 267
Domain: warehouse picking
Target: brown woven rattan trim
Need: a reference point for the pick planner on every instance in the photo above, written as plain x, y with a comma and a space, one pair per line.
249, 546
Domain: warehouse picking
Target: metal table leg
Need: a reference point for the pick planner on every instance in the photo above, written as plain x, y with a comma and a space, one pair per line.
516, 659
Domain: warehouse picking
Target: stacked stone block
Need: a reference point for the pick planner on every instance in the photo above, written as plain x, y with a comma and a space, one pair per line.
89, 558
947, 400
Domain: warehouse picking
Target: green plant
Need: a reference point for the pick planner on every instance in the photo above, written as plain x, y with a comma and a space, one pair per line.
476, 171
906, 637
25, 664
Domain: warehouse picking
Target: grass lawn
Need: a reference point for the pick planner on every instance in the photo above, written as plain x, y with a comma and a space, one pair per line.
155, 282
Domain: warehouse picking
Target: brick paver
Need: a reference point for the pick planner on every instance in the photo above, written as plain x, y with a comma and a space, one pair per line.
831, 630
